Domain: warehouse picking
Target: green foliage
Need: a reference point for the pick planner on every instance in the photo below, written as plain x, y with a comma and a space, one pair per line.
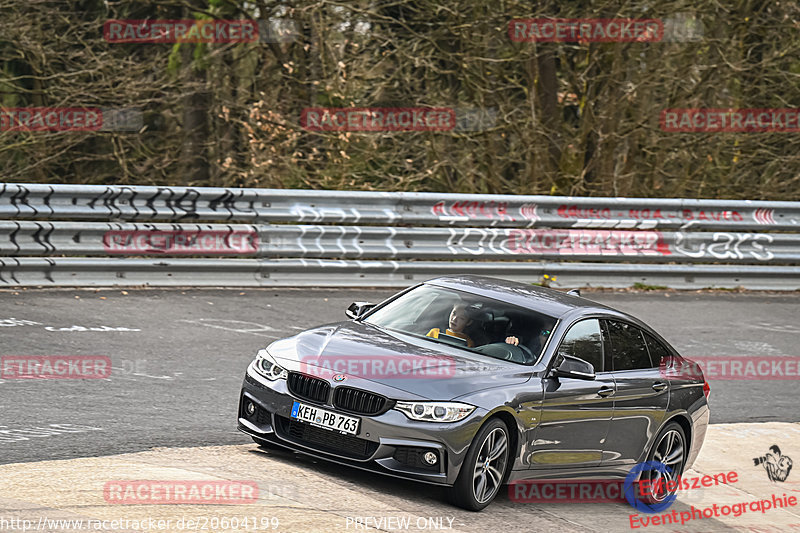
174, 59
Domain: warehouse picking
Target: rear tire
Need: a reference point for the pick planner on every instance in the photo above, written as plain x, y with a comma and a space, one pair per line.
484, 468
670, 449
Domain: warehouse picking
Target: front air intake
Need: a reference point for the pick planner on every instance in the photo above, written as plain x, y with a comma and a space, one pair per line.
308, 388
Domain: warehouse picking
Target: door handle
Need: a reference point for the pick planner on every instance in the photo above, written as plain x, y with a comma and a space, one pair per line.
659, 386
605, 391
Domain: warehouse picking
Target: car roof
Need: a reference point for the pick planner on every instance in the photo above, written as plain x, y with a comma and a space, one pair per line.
541, 299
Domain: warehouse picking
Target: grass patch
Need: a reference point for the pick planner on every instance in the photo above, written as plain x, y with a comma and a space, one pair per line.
646, 287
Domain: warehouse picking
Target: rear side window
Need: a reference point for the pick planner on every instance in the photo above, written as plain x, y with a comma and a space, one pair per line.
628, 348
658, 352
583, 341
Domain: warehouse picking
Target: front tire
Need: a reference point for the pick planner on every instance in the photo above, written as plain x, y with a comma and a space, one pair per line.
484, 467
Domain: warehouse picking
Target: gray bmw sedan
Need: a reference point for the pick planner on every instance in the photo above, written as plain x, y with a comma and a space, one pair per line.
472, 383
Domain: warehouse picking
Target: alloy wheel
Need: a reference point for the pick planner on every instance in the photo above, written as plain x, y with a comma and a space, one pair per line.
490, 465
670, 451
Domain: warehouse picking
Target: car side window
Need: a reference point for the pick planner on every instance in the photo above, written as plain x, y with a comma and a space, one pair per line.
628, 348
584, 341
658, 352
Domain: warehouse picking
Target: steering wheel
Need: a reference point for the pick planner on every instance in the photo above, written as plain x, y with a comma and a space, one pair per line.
519, 353
507, 352
527, 354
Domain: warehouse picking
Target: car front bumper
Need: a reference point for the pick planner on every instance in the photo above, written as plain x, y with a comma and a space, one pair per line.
388, 443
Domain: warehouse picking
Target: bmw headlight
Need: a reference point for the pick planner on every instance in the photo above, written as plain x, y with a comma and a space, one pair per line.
267, 367
435, 411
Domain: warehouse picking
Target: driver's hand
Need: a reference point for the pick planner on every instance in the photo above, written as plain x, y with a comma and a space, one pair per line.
512, 340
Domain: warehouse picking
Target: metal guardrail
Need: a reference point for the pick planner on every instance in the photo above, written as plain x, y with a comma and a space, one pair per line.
354, 242
271, 237
188, 204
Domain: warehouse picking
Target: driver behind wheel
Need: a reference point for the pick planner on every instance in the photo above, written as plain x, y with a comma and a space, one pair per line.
459, 321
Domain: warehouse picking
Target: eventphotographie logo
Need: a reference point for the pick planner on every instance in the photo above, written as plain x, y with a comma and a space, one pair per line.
775, 463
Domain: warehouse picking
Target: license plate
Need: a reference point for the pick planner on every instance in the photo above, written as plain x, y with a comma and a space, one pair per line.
325, 419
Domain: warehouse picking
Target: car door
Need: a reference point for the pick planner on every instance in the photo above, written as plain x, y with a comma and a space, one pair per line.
642, 393
576, 414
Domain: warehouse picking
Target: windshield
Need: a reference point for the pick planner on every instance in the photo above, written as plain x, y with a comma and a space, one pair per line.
483, 325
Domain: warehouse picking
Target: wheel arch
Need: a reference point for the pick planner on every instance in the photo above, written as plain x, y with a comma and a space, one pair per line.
682, 419
512, 424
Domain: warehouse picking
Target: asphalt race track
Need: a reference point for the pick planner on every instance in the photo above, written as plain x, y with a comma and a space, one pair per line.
167, 413
178, 357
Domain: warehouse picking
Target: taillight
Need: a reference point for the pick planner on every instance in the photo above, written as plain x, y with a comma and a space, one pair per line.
706, 388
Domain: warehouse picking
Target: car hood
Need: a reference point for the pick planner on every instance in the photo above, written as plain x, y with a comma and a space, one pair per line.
393, 364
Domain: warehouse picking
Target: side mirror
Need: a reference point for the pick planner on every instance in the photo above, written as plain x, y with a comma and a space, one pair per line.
572, 367
574, 292
358, 309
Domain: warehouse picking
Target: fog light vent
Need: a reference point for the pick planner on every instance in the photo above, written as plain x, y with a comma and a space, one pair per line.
422, 458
